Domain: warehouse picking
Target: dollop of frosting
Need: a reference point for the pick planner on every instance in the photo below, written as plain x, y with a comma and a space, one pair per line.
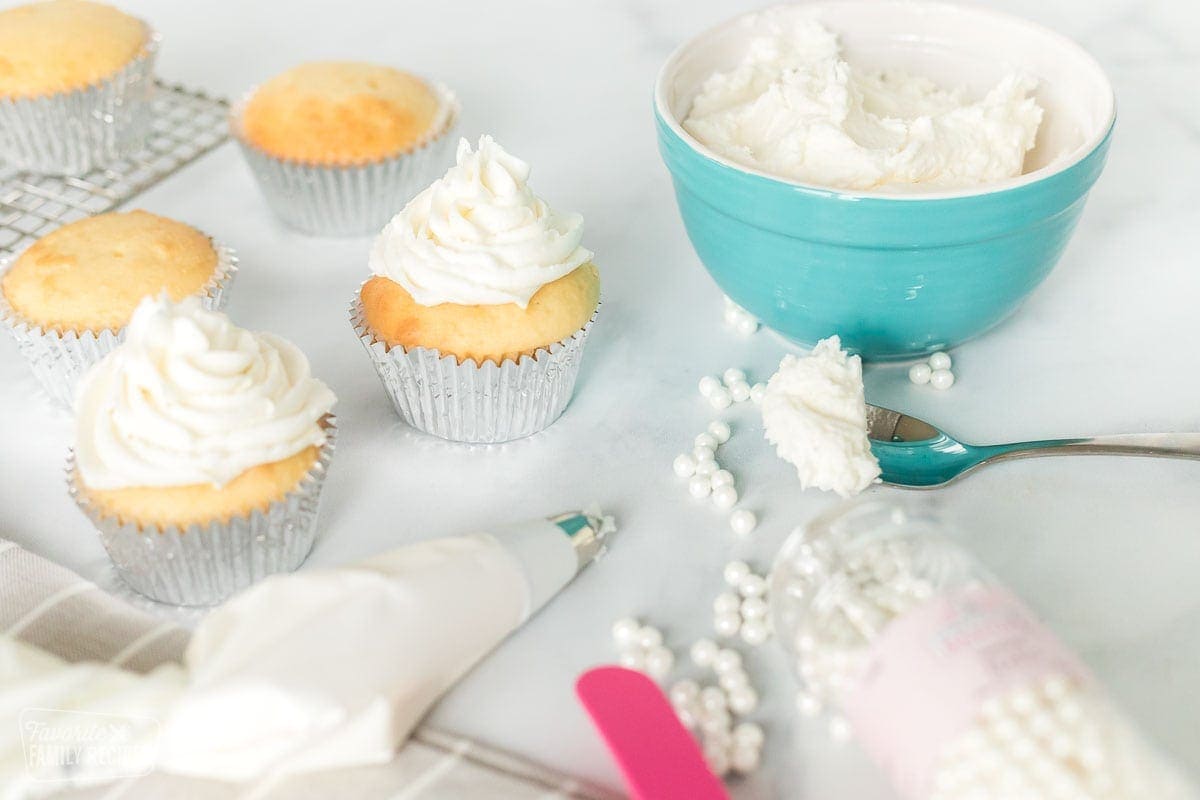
815, 414
479, 235
794, 108
190, 398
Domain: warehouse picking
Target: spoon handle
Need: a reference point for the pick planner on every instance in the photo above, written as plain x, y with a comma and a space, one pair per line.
1166, 445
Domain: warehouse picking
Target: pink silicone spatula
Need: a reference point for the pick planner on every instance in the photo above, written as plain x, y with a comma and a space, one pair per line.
658, 757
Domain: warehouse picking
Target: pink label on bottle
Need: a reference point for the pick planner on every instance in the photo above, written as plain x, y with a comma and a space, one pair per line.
930, 670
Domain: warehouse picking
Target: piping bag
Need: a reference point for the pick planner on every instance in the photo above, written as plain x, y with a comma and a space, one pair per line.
323, 668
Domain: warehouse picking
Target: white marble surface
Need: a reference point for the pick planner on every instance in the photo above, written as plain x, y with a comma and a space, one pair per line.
1107, 550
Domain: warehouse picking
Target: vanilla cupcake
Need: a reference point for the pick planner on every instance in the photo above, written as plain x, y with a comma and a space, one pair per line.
76, 79
200, 452
68, 296
337, 146
481, 302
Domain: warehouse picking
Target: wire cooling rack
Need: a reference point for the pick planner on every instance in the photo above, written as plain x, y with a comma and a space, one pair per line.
187, 124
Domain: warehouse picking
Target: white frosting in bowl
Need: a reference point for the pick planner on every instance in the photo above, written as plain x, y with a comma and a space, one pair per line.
815, 414
190, 398
479, 235
795, 108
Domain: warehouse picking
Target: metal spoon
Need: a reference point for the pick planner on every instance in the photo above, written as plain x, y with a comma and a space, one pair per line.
915, 454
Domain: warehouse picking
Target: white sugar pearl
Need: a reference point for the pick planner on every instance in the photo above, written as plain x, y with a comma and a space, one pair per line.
703, 651
733, 375
731, 314
746, 326
684, 692
720, 430
748, 734
632, 659
754, 608
720, 399
722, 477
718, 761
707, 469
740, 392
726, 660
727, 624
703, 453
684, 466
807, 704
625, 632
752, 586
734, 572
940, 361
708, 385
839, 729
743, 701
699, 486
745, 759
706, 440
649, 636
755, 632
732, 681
726, 602
688, 716
742, 521
941, 379
659, 661
712, 699
757, 392
724, 497
919, 373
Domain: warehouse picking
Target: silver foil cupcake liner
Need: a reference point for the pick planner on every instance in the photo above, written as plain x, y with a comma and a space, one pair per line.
351, 200
72, 132
59, 359
476, 403
202, 565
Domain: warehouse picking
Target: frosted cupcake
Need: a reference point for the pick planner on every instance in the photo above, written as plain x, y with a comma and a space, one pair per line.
200, 452
337, 146
75, 85
67, 298
480, 304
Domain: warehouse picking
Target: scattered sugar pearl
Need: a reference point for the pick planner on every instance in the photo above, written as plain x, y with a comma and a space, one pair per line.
718, 761
940, 360
703, 651
625, 632
726, 603
684, 692
706, 440
706, 469
840, 730
659, 661
713, 699
746, 326
920, 373
755, 632
684, 466
752, 586
720, 430
742, 521
699, 486
748, 734
807, 704
703, 453
735, 571
731, 681
726, 660
743, 701
722, 477
745, 759
649, 637
727, 624
941, 379
709, 385
724, 496
757, 392
733, 375
754, 607
720, 399
632, 659
740, 392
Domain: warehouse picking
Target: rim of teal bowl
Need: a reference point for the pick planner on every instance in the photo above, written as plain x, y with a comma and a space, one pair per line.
668, 122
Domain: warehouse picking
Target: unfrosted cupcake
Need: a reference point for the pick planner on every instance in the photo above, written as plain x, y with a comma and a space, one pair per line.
200, 452
336, 146
67, 297
480, 304
76, 79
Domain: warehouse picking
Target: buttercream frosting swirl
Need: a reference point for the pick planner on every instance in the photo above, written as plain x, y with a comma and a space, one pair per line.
190, 398
479, 235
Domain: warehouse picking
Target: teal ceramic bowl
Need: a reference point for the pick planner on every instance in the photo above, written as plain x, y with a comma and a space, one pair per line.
896, 275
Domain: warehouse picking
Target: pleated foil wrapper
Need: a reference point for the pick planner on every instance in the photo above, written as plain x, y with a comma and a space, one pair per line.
468, 402
59, 359
201, 565
353, 200
73, 132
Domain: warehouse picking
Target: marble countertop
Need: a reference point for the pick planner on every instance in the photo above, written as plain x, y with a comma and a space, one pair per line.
1105, 549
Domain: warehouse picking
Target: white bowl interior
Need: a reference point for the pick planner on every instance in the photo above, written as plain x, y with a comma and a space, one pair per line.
954, 45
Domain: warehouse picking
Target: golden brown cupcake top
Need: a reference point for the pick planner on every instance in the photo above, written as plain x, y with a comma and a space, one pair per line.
61, 45
91, 274
339, 112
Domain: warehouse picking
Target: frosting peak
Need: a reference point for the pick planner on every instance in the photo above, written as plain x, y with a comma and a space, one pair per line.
190, 398
479, 235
